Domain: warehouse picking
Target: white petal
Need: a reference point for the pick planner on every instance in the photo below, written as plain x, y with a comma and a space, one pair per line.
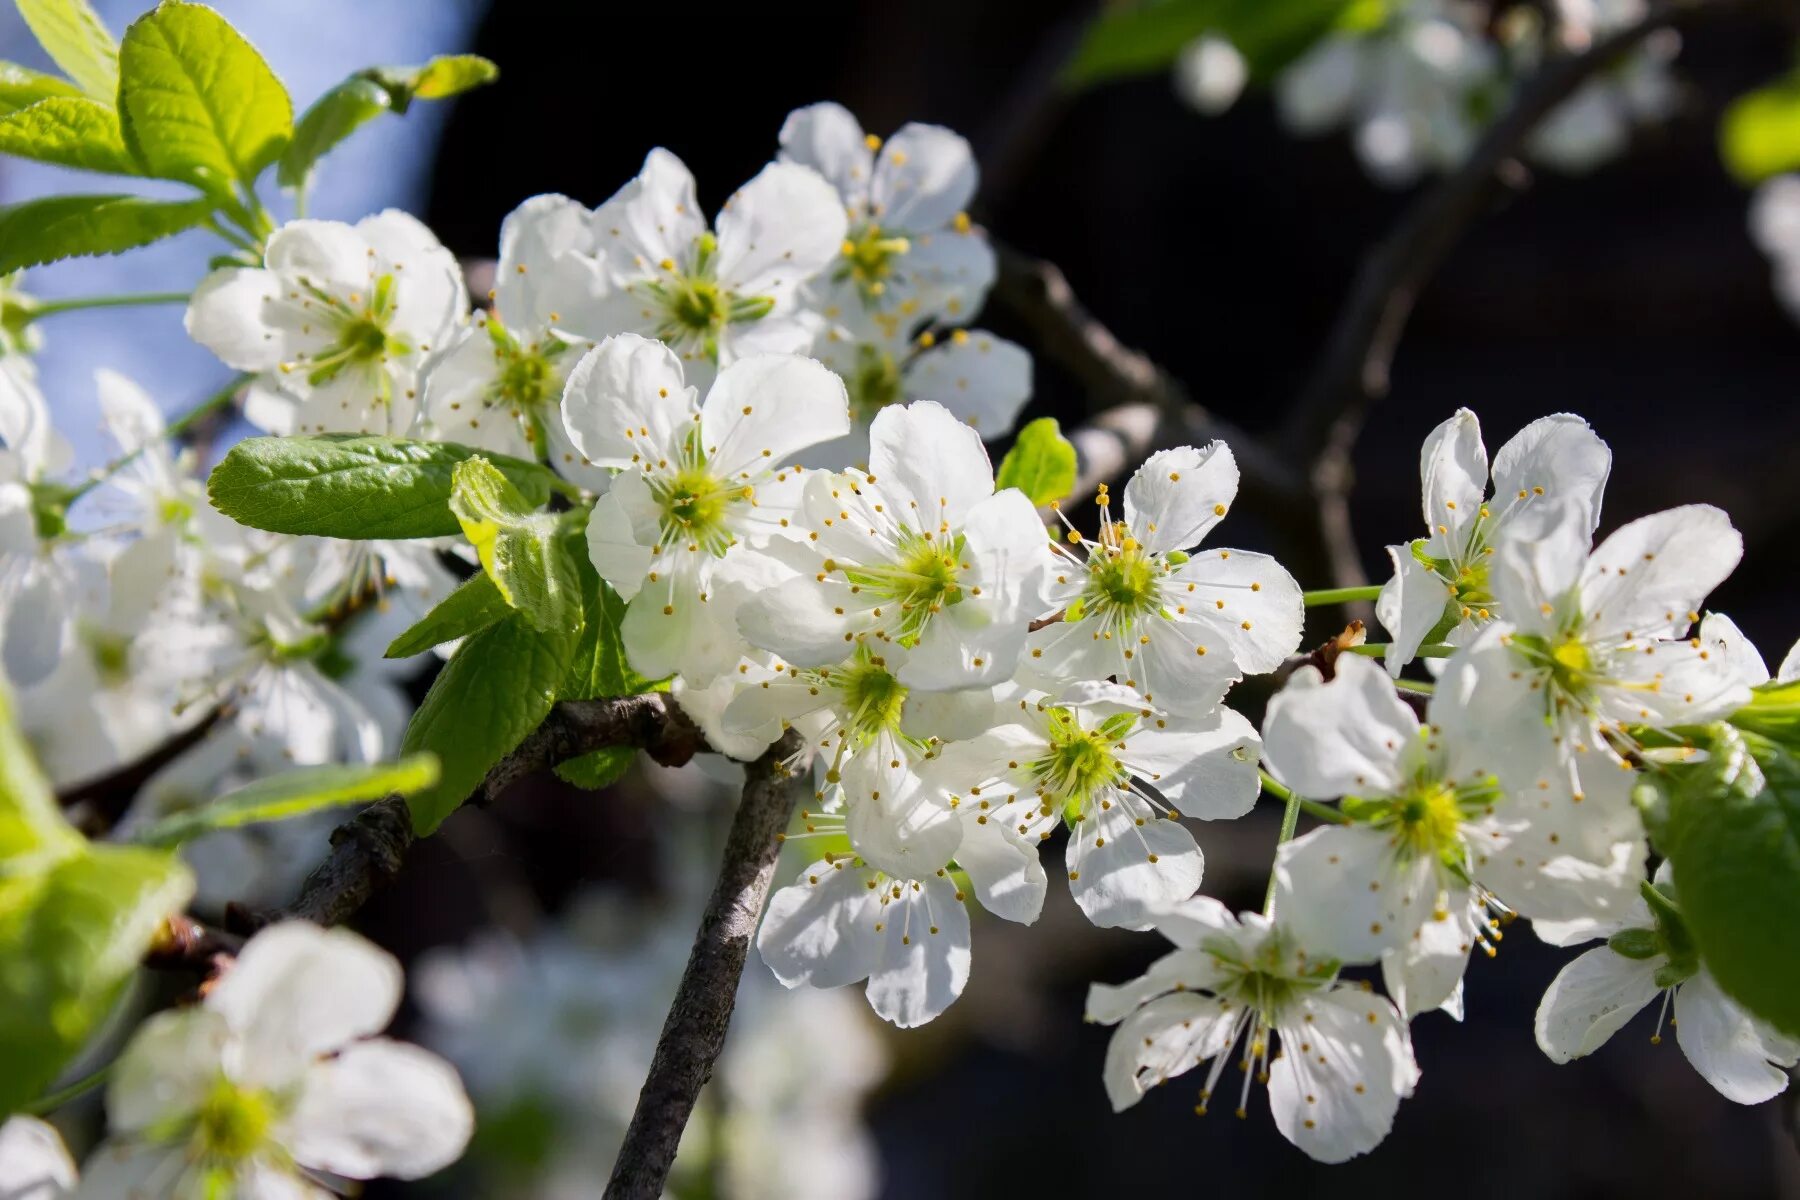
380, 1108
819, 931
616, 533
898, 821
1167, 1037
1176, 971
34, 1163
1426, 972
1207, 767
924, 176
920, 453
827, 138
1538, 562
1248, 601
327, 253
924, 952
1726, 641
1345, 737
225, 315
1173, 501
298, 991
34, 628
1194, 920
1409, 607
1005, 871
981, 379
948, 273
1126, 864
1561, 455
626, 403
1347, 891
1789, 670
652, 218
1591, 999
1337, 1098
778, 231
536, 281
1453, 468
167, 1069
131, 416
1649, 575
764, 409
1740, 1057
127, 1169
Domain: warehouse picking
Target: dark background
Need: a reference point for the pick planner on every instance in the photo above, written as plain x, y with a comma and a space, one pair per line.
1222, 247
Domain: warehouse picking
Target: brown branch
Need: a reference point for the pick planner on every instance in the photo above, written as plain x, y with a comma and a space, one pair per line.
694, 1032
1354, 372
368, 850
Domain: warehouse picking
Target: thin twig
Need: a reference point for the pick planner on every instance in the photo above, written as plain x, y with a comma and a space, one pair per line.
694, 1032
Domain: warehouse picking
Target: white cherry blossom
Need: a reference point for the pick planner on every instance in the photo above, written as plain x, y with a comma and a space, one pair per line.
696, 480
713, 296
1649, 955
1178, 627
1343, 1063
34, 1163
1120, 775
276, 1080
909, 249
340, 322
919, 550
1441, 581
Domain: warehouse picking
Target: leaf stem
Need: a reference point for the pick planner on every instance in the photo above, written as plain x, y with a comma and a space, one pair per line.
1344, 595
50, 308
1290, 819
51, 1101
1416, 686
1379, 650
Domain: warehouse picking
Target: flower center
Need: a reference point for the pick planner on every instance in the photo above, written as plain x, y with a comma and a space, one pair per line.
233, 1122
694, 504
874, 383
869, 257
1121, 585
923, 577
1429, 820
695, 309
870, 696
362, 336
1081, 763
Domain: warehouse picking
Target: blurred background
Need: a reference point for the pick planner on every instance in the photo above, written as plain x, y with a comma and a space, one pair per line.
1222, 246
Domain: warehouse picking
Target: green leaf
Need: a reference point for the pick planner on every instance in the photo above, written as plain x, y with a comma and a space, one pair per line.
293, 794
498, 688
353, 485
42, 231
597, 768
518, 546
1041, 463
76, 39
1759, 135
69, 938
445, 76
1733, 839
21, 87
599, 670
31, 822
71, 131
472, 607
1138, 38
333, 117
199, 102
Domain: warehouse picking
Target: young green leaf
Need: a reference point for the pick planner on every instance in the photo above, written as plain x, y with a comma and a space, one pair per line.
293, 794
1759, 135
599, 669
1733, 839
31, 822
1136, 39
597, 768
21, 87
445, 76
519, 546
200, 104
42, 231
353, 485
71, 131
331, 118
76, 39
1041, 463
472, 607
497, 688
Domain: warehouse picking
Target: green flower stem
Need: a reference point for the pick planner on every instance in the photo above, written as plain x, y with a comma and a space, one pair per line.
50, 308
1416, 687
1290, 818
51, 1101
1348, 595
1379, 650
178, 429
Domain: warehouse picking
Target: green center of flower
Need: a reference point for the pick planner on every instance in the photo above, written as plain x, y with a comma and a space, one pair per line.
1429, 820
694, 308
362, 341
112, 656
869, 256
233, 1122
870, 696
1271, 977
874, 383
1082, 763
1121, 586
694, 504
922, 578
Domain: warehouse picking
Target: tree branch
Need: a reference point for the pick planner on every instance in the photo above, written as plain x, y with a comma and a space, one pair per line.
368, 850
694, 1031
1354, 372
